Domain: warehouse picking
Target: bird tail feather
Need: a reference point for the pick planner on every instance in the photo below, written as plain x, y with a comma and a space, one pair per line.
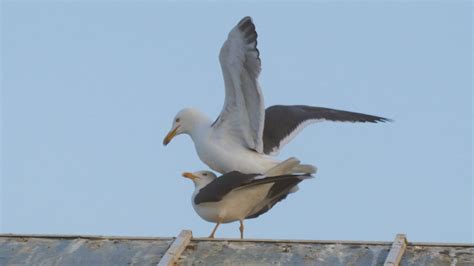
291, 166
304, 169
284, 168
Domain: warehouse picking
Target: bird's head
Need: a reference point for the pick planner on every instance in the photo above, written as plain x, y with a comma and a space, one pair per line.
200, 178
184, 123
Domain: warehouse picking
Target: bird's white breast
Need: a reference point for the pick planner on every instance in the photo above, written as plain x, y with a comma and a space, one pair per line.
224, 154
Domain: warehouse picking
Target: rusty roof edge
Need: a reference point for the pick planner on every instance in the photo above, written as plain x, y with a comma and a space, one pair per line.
260, 240
302, 241
366, 242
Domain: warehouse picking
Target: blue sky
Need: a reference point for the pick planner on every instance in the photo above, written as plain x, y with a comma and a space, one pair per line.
90, 89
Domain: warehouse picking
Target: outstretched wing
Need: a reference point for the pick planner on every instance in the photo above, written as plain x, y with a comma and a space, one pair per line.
243, 114
284, 122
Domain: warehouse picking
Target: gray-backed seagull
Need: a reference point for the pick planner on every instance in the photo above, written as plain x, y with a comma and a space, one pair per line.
244, 135
235, 196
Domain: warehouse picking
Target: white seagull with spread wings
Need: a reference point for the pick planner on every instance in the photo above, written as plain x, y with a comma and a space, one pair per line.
245, 135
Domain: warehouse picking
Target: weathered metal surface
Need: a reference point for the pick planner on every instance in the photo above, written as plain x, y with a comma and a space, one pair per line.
81, 251
282, 253
438, 255
231, 252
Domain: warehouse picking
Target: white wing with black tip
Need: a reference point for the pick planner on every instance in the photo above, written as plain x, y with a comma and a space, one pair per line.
242, 116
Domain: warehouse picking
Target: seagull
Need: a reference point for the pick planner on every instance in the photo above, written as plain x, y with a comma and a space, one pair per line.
246, 136
236, 196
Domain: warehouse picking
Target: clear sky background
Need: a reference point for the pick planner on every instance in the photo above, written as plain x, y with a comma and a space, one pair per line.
89, 90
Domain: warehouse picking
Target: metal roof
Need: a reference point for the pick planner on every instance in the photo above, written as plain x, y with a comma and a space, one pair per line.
185, 250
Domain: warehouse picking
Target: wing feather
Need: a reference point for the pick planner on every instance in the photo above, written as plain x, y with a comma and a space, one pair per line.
284, 122
222, 185
242, 116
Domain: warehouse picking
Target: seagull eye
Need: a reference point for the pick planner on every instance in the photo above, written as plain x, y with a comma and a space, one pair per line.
205, 174
177, 120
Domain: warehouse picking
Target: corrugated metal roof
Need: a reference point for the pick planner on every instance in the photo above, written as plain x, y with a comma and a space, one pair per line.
98, 250
78, 250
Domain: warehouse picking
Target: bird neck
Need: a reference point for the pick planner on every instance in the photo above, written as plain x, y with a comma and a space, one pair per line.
201, 126
200, 184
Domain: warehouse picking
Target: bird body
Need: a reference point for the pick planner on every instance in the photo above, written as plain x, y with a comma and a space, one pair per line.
224, 155
245, 135
236, 196
235, 206
220, 153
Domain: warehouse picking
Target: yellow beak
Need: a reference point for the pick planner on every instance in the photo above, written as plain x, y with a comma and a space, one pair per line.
170, 136
189, 175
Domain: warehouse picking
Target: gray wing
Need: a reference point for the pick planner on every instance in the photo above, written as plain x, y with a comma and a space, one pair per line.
221, 186
284, 122
242, 116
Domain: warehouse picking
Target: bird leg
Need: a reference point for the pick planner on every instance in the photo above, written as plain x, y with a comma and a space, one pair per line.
241, 228
214, 230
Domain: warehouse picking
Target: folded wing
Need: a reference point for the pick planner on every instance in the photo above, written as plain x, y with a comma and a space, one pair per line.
282, 186
222, 185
